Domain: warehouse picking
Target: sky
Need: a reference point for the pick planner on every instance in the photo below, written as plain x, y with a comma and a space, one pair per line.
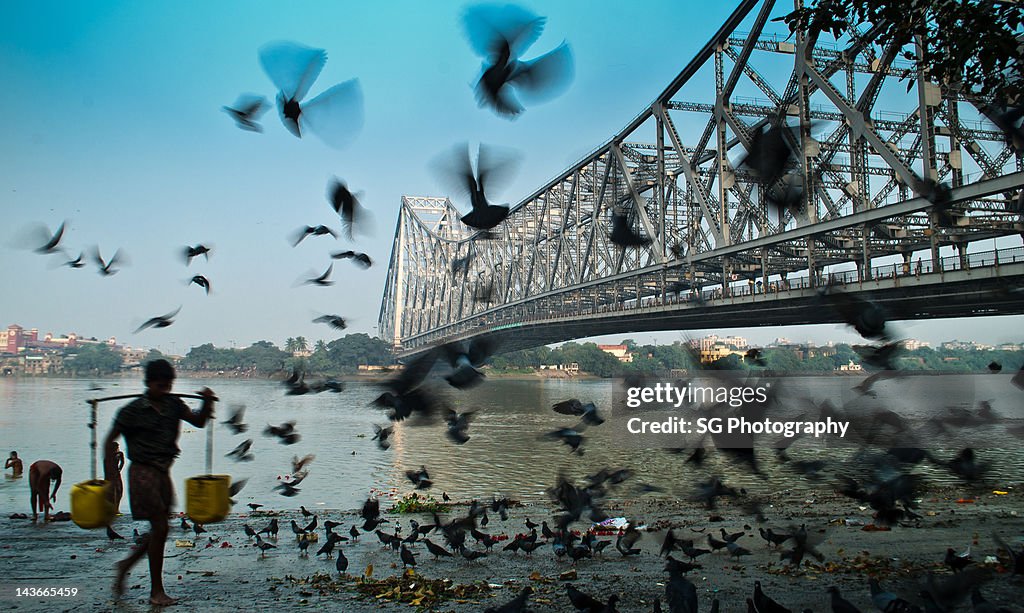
112, 122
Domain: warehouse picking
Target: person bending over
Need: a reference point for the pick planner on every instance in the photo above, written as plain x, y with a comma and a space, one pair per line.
39, 476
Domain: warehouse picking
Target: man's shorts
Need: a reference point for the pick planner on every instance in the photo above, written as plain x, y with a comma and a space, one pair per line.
150, 492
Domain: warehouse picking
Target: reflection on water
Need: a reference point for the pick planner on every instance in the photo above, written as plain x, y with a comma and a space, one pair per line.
506, 453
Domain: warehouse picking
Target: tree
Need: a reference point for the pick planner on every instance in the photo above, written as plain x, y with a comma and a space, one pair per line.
208, 357
301, 344
974, 45
669, 356
729, 362
588, 356
320, 361
290, 345
819, 364
844, 355
782, 360
264, 356
348, 352
643, 364
524, 358
93, 359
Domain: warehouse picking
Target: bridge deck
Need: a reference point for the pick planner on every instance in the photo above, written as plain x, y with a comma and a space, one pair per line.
991, 286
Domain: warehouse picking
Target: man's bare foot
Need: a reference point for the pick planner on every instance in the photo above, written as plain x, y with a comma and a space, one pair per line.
162, 600
122, 571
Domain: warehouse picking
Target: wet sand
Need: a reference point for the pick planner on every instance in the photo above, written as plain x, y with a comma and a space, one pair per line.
230, 574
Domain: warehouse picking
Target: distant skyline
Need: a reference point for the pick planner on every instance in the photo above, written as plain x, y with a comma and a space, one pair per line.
112, 121
818, 334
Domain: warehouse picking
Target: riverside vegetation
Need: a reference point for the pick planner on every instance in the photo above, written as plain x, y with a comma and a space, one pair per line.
343, 356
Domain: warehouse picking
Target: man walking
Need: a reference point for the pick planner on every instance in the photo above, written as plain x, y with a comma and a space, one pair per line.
150, 425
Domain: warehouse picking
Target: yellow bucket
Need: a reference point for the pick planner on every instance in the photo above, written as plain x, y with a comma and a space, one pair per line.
92, 504
208, 498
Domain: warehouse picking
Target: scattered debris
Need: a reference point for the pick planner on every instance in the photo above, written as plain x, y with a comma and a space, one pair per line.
417, 590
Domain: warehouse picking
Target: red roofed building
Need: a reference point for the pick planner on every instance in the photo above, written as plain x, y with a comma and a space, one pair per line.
621, 352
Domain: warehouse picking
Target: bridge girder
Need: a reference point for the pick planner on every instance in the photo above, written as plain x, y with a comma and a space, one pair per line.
709, 221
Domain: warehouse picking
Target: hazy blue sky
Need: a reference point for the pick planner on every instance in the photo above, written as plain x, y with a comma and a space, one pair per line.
111, 120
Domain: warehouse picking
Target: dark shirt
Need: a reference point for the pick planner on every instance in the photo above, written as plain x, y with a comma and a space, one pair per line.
151, 429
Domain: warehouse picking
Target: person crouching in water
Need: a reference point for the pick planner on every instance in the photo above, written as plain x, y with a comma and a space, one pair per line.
14, 463
150, 426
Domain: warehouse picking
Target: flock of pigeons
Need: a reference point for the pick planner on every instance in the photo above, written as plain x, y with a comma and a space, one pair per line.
501, 34
879, 477
52, 246
941, 592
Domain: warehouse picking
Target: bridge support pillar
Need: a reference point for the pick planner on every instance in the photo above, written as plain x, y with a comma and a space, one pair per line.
764, 269
864, 265
812, 271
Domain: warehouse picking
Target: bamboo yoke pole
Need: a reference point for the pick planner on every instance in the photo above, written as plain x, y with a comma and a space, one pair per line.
93, 414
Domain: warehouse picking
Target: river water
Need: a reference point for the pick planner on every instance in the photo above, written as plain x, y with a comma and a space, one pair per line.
46, 418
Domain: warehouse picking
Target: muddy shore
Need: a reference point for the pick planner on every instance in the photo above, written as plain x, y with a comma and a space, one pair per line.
229, 573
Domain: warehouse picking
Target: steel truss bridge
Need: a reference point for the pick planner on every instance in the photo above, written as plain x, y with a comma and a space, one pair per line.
720, 256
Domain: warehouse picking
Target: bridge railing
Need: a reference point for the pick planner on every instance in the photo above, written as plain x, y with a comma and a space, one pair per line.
895, 270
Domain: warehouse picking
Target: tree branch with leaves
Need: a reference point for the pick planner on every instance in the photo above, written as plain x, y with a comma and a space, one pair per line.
974, 46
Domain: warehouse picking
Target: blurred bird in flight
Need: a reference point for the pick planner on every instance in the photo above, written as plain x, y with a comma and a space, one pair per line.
501, 34
335, 116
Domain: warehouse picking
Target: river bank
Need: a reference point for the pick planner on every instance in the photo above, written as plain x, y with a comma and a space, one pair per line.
514, 375
224, 572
